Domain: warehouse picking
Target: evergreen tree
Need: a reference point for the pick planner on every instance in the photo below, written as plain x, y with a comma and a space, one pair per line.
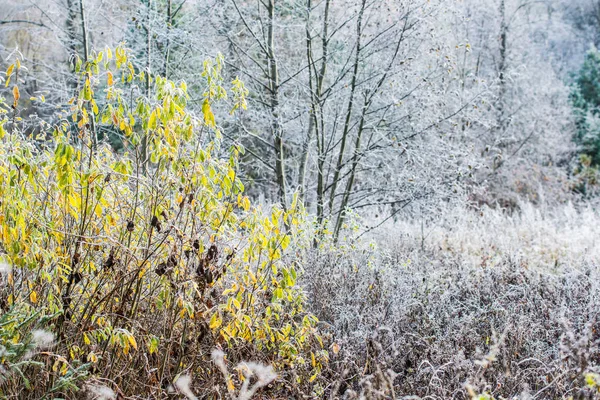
585, 97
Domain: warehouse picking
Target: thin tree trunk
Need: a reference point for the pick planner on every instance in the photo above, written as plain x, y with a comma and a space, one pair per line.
86, 52
144, 149
276, 128
168, 43
72, 40
316, 93
350, 183
312, 111
321, 158
339, 164
369, 98
84, 31
501, 122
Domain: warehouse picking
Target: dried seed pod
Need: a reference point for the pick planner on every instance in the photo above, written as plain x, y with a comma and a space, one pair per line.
161, 269
155, 223
130, 226
110, 261
201, 267
172, 261
77, 277
208, 276
212, 253
75, 260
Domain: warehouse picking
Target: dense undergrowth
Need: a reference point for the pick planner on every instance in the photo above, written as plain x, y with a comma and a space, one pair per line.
135, 266
149, 274
481, 303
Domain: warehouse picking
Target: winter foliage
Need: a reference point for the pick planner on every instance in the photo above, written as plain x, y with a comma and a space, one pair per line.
256, 199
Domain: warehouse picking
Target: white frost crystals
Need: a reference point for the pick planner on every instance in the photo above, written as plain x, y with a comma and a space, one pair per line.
5, 268
42, 339
101, 392
263, 374
183, 386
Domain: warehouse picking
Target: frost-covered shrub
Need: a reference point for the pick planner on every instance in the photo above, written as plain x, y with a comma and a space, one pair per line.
507, 304
140, 262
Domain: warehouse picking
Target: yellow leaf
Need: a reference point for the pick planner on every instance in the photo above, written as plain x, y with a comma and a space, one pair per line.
209, 117
132, 341
285, 242
86, 339
33, 297
75, 201
10, 70
16, 93
110, 78
152, 120
236, 303
215, 321
252, 277
230, 385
